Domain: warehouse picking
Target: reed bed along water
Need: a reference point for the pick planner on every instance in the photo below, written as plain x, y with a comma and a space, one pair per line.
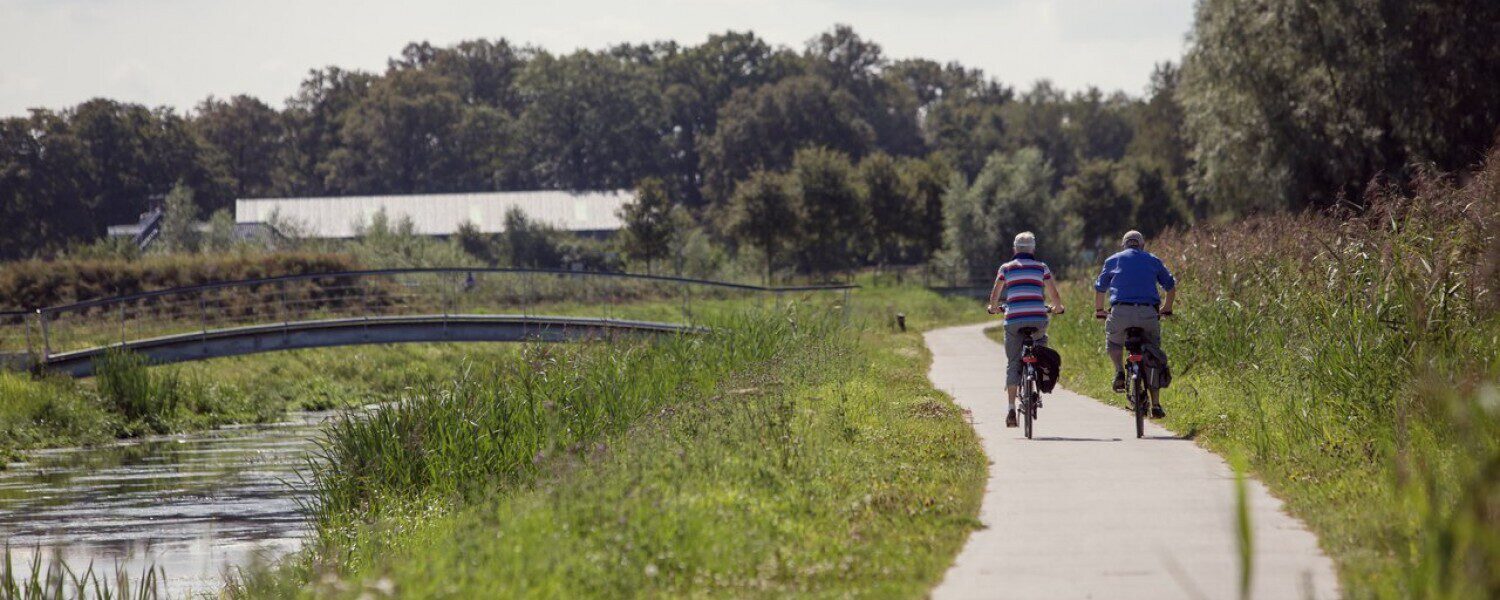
1353, 360
496, 423
797, 449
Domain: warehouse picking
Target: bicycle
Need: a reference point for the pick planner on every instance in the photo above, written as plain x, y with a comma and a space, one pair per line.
1137, 390
1030, 392
1031, 396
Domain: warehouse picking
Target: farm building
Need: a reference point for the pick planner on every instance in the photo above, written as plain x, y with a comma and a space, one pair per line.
585, 213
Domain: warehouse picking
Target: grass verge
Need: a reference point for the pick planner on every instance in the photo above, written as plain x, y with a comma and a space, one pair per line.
130, 399
1355, 366
793, 455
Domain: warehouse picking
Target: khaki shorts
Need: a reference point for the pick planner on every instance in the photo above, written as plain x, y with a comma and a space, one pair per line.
1125, 316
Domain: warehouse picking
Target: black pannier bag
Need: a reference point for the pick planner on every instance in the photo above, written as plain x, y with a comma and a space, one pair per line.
1158, 372
1048, 367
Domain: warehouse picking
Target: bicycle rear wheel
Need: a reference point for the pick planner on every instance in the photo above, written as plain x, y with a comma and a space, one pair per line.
1028, 406
1140, 400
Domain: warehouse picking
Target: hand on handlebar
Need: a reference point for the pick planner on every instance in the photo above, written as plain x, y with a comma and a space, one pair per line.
994, 309
1165, 313
1056, 310
1100, 313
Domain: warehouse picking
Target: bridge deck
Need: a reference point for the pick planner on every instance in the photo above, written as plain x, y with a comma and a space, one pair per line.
292, 335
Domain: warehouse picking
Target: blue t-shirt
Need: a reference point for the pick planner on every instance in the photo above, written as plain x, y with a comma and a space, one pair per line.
1131, 275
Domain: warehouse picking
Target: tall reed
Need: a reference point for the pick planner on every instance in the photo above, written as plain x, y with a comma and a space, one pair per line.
496, 424
1350, 356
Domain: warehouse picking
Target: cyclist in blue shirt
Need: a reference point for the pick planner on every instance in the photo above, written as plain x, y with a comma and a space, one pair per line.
1129, 282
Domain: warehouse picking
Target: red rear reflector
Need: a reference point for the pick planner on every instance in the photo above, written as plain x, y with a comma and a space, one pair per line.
1028, 359
1135, 358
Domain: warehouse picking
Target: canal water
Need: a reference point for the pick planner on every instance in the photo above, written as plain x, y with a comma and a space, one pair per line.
193, 505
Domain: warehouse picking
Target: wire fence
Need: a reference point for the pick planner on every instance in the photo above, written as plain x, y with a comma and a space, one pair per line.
31, 338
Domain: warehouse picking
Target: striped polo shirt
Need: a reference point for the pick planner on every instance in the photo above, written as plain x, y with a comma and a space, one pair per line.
1023, 279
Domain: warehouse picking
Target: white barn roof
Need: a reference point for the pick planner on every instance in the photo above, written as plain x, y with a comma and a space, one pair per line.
439, 214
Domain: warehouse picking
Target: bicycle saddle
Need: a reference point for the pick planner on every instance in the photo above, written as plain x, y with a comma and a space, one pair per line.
1027, 332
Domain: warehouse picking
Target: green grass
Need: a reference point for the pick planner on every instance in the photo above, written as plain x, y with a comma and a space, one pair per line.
790, 455
1354, 368
129, 399
800, 450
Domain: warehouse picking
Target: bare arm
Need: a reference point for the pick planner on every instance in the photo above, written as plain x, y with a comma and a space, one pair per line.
1099, 299
1057, 303
993, 306
1166, 304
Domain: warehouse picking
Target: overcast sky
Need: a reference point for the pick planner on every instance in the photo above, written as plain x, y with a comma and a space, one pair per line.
56, 53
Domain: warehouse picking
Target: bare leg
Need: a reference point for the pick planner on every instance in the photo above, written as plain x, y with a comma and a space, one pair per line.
1155, 397
1010, 396
1115, 354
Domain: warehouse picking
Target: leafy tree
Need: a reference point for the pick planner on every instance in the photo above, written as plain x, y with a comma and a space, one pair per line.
1013, 193
1158, 125
44, 185
592, 121
220, 236
828, 207
402, 137
853, 64
314, 124
764, 128
892, 210
926, 180
179, 231
245, 135
1096, 204
649, 223
137, 154
530, 244
482, 71
477, 244
1296, 103
700, 79
1154, 206
761, 213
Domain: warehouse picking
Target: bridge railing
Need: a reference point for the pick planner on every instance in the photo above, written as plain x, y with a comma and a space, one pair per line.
216, 306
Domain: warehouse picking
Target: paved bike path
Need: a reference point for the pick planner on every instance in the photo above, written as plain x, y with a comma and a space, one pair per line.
1063, 512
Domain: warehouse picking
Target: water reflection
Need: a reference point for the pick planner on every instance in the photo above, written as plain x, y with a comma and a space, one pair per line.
190, 504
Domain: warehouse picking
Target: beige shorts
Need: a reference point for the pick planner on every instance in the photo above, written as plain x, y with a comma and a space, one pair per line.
1125, 316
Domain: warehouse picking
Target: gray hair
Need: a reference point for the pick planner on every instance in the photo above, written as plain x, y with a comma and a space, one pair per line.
1133, 238
1025, 242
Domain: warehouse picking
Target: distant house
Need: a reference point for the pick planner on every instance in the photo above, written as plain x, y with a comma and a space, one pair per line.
585, 213
148, 229
141, 233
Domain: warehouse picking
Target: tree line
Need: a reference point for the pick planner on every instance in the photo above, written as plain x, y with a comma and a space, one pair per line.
819, 158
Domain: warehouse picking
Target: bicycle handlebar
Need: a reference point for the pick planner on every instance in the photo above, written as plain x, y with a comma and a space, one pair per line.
1000, 308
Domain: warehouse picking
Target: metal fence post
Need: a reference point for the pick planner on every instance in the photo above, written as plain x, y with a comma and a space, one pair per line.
46, 336
846, 306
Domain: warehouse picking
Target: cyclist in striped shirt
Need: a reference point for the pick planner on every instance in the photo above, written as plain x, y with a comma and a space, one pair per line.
1021, 286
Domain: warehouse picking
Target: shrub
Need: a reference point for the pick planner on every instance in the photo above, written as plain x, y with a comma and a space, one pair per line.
37, 283
141, 396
